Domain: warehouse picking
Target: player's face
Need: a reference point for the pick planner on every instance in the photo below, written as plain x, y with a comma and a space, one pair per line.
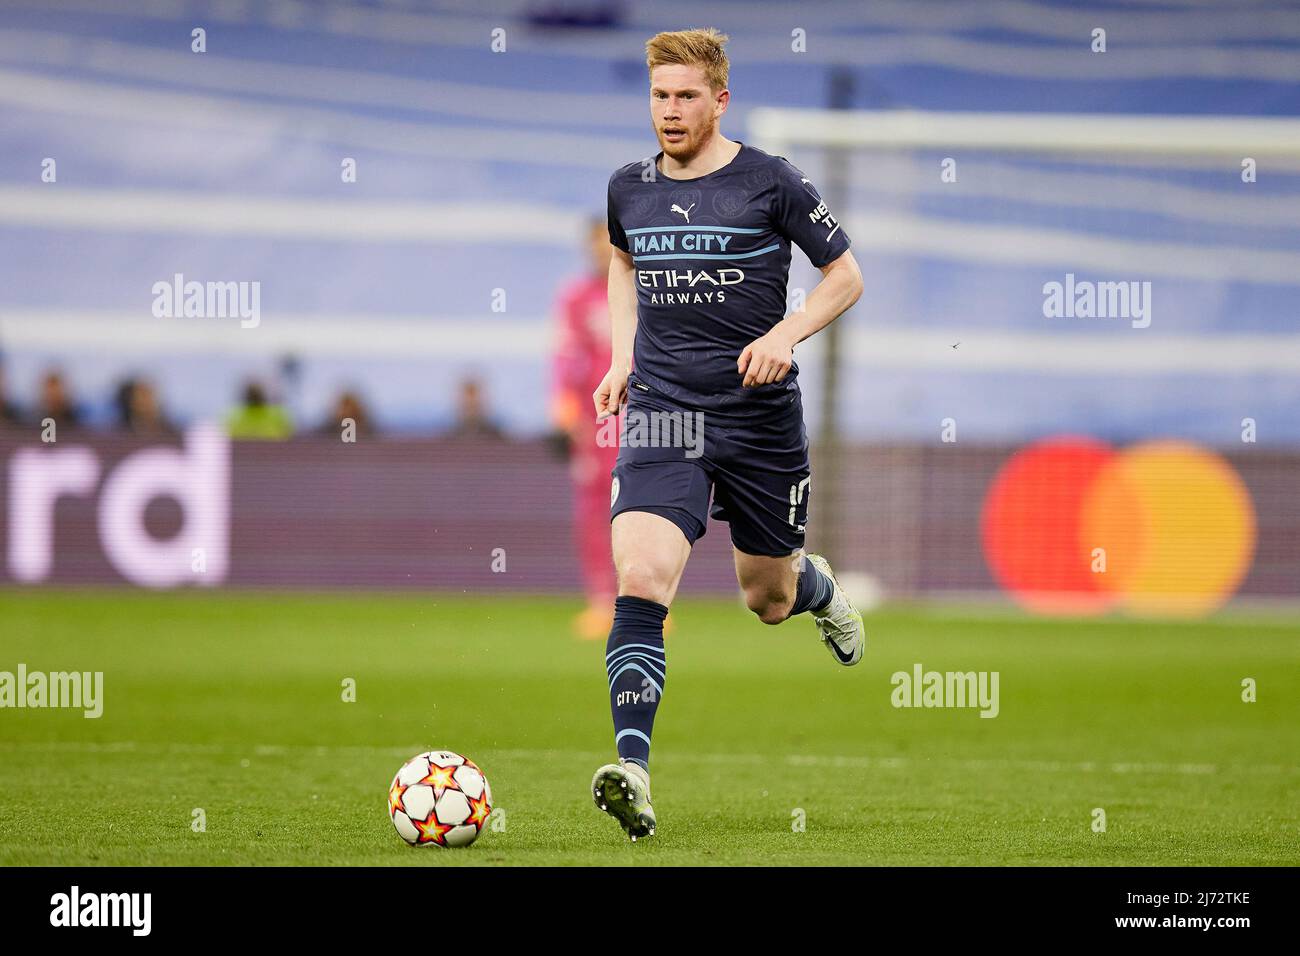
683, 109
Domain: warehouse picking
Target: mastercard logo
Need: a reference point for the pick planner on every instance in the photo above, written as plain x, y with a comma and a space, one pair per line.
1073, 526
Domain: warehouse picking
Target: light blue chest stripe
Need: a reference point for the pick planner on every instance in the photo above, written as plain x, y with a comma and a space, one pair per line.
736, 255
737, 229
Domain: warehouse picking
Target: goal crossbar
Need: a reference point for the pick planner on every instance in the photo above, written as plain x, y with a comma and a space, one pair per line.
1029, 132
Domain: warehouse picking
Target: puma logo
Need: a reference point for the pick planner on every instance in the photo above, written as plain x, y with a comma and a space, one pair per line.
686, 213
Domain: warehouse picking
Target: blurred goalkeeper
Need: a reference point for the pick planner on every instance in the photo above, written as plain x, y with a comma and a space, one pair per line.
580, 362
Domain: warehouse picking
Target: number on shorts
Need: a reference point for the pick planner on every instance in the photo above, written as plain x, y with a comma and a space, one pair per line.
797, 495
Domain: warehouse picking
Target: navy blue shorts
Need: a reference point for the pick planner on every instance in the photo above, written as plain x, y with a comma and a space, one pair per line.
670, 459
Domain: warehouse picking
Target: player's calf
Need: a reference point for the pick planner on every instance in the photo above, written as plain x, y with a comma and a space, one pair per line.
771, 605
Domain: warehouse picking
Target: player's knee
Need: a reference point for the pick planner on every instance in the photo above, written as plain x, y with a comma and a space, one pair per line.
644, 581
771, 605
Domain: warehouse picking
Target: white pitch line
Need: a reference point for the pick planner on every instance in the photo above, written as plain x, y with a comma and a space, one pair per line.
793, 760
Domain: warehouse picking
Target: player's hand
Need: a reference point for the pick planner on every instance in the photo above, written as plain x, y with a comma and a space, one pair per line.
611, 395
765, 360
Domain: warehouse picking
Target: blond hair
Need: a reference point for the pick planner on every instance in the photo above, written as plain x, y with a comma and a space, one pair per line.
702, 48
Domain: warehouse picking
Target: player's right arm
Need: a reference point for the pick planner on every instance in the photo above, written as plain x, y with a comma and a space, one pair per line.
612, 393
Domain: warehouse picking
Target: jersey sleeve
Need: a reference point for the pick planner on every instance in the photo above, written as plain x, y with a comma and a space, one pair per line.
803, 218
616, 234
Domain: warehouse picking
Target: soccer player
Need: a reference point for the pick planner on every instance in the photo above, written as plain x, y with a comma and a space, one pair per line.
581, 351
697, 293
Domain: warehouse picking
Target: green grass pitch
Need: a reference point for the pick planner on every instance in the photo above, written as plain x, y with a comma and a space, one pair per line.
233, 703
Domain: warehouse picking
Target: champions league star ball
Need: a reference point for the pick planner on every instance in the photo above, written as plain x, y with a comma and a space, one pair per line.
439, 798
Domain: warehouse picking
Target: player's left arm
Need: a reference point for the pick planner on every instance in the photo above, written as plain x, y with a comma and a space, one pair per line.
768, 358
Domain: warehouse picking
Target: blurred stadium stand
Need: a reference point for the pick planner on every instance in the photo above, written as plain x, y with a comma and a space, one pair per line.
476, 169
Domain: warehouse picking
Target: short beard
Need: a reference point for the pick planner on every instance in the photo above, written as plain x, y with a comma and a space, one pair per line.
708, 133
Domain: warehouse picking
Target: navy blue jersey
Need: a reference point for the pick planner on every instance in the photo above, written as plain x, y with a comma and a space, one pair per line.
712, 258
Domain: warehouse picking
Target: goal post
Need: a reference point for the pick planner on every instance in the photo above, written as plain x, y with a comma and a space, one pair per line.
965, 224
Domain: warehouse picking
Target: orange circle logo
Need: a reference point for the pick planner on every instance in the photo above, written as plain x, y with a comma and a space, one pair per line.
1072, 526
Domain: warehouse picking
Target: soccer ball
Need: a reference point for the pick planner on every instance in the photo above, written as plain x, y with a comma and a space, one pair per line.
439, 798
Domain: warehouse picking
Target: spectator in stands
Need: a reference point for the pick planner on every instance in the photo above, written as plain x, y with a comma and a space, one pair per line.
139, 411
258, 418
348, 405
55, 402
472, 419
10, 415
